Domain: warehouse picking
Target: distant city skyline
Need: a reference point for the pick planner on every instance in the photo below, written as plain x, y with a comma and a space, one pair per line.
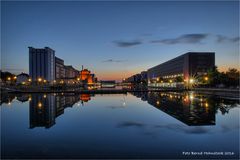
117, 39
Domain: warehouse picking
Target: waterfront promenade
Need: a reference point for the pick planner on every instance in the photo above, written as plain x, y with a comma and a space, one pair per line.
220, 92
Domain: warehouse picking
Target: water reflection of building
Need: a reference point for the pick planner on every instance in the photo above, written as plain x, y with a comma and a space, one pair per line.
42, 111
187, 108
45, 108
142, 95
6, 98
23, 97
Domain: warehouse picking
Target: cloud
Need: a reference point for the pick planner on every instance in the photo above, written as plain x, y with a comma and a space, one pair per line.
186, 38
222, 38
113, 61
130, 124
127, 43
235, 39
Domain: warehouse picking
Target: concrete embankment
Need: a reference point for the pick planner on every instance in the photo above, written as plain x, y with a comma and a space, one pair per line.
223, 93
76, 91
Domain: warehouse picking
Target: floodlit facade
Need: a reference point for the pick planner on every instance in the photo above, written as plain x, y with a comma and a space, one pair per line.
86, 76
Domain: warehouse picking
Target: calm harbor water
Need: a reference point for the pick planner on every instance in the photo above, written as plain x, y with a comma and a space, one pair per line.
137, 125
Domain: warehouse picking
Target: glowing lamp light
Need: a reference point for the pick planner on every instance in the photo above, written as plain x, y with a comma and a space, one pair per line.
205, 78
78, 79
191, 80
206, 104
30, 80
39, 79
44, 96
23, 83
191, 97
15, 77
9, 78
39, 105
170, 81
158, 102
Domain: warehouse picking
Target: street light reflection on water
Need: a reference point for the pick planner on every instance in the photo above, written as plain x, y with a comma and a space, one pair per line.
67, 125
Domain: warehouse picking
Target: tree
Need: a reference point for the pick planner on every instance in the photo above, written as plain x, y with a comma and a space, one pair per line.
233, 77
6, 75
213, 76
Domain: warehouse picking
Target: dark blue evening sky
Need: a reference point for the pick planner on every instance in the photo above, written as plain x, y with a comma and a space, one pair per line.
117, 39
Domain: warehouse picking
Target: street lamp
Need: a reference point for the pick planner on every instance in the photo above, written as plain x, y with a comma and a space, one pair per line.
9, 78
206, 78
191, 81
39, 105
39, 79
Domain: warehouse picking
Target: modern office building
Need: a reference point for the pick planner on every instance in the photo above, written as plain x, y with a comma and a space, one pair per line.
42, 63
144, 76
134, 79
181, 69
59, 68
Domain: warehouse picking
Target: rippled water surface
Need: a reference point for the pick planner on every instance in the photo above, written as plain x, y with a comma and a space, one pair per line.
139, 125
